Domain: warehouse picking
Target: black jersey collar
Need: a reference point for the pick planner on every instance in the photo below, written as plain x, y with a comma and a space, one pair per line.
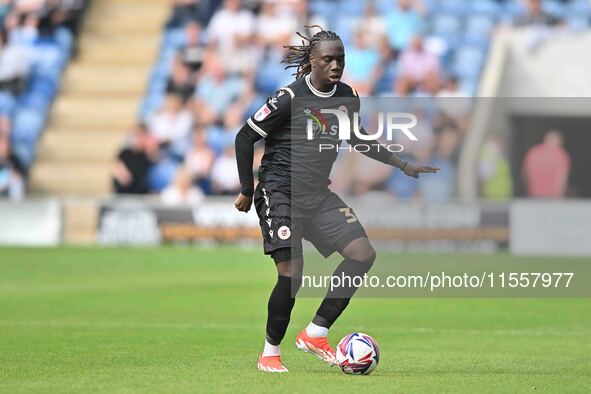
318, 92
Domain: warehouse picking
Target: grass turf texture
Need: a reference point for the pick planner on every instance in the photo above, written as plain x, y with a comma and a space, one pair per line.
190, 320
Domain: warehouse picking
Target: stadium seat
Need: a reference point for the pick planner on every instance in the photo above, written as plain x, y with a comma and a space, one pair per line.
553, 7
161, 174
7, 103
468, 61
478, 29
385, 6
456, 7
325, 9
578, 15
489, 8
25, 152
448, 27
346, 25
511, 11
352, 7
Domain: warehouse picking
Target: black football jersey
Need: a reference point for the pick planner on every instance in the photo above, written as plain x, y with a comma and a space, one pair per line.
300, 140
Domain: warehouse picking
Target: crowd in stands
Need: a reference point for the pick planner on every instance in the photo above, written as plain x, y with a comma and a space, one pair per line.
220, 59
37, 39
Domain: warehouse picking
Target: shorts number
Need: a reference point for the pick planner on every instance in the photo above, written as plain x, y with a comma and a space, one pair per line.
351, 218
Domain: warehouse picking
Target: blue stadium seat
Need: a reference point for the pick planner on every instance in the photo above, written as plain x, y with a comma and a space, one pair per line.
7, 103
161, 174
346, 25
456, 7
448, 27
478, 29
512, 10
326, 9
582, 7
386, 82
578, 15
173, 38
468, 61
28, 125
352, 7
490, 8
24, 151
553, 7
385, 6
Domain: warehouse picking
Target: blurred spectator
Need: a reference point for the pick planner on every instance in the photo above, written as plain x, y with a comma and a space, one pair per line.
404, 22
191, 54
5, 8
418, 69
182, 191
130, 172
494, 170
12, 172
219, 137
304, 17
231, 31
5, 126
14, 65
454, 105
181, 81
217, 92
373, 24
546, 167
172, 122
186, 11
199, 159
363, 64
441, 188
224, 175
274, 27
536, 16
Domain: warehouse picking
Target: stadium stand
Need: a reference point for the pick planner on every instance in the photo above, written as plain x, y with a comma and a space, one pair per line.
216, 62
98, 100
394, 48
38, 39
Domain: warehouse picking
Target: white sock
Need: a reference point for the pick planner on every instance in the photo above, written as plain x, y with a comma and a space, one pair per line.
315, 331
271, 350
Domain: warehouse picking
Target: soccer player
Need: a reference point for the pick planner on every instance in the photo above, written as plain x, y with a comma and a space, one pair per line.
294, 201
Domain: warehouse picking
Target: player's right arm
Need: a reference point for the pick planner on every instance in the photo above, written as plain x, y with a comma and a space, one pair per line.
271, 116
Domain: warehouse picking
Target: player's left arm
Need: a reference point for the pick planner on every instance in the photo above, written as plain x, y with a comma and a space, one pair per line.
381, 153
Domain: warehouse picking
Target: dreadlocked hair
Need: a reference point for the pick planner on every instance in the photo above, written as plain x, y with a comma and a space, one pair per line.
299, 55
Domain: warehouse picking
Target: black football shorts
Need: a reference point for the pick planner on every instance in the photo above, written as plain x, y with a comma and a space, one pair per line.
329, 224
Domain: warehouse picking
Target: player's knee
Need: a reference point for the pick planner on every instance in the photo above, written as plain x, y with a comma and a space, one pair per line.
360, 250
369, 255
290, 268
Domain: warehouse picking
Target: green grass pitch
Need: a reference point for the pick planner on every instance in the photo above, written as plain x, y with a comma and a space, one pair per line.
192, 320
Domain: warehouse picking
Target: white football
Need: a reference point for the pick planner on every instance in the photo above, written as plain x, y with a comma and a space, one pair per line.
358, 354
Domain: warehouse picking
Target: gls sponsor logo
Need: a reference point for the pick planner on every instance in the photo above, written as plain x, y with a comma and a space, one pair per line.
395, 121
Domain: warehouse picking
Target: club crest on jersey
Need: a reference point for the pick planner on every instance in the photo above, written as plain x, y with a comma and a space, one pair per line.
262, 113
284, 232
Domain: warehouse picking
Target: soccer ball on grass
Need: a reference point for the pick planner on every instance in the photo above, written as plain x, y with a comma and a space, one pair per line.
357, 354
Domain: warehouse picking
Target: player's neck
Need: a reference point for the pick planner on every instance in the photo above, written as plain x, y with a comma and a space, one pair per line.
315, 81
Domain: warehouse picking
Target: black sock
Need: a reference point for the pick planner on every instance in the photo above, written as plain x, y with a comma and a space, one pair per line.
337, 299
279, 308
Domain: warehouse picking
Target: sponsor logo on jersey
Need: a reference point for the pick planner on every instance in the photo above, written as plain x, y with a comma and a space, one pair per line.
262, 113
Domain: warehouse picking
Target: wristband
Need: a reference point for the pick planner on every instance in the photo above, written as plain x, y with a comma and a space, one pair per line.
404, 166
